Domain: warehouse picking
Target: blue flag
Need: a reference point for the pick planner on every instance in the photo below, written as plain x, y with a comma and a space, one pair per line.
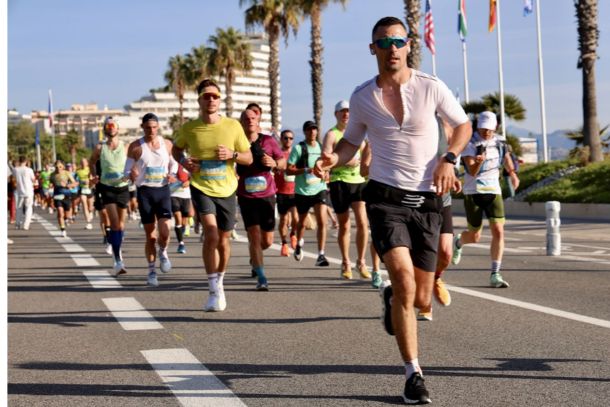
527, 7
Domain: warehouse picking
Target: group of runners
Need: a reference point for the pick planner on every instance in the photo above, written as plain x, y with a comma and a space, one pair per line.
390, 158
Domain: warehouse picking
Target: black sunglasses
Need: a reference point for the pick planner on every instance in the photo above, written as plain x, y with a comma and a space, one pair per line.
287, 138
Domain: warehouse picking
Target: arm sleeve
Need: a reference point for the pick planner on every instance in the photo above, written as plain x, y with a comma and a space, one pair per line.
356, 128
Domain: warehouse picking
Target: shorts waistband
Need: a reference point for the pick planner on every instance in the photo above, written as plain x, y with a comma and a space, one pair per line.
426, 201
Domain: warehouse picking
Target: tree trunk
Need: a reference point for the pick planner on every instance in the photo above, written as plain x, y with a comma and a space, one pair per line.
229, 76
413, 16
274, 74
316, 63
588, 34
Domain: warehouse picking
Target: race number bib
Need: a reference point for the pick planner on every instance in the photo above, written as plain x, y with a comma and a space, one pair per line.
289, 178
212, 170
311, 179
154, 175
255, 184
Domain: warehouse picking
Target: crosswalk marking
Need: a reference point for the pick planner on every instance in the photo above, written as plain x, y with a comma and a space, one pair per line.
190, 381
101, 279
131, 314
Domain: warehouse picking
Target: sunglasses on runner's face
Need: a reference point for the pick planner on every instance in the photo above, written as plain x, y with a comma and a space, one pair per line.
387, 42
287, 138
110, 126
210, 96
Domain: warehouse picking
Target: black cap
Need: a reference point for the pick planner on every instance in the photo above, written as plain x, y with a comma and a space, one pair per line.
150, 116
308, 125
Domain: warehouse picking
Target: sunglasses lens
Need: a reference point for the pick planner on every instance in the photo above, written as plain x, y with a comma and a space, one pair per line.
385, 43
210, 96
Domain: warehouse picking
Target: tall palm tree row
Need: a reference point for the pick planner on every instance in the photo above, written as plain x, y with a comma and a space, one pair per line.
413, 16
230, 53
177, 77
277, 18
588, 35
313, 9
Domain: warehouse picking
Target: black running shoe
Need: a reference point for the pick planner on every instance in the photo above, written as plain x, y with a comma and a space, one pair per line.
415, 390
253, 273
385, 291
321, 262
298, 253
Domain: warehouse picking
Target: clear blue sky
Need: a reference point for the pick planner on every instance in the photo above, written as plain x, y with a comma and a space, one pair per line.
113, 51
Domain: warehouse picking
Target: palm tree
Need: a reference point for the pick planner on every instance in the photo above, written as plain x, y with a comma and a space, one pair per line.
177, 77
230, 52
579, 136
513, 108
198, 65
313, 8
588, 35
413, 15
277, 17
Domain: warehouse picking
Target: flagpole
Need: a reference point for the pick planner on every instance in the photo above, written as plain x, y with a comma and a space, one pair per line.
433, 65
500, 70
541, 84
465, 58
38, 159
54, 154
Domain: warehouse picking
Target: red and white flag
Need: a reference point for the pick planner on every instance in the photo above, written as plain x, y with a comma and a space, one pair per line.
429, 28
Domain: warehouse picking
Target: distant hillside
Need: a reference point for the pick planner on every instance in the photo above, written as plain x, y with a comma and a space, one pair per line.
559, 144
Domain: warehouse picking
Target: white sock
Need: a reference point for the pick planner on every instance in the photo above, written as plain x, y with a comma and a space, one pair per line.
321, 253
213, 283
221, 278
495, 266
412, 367
301, 242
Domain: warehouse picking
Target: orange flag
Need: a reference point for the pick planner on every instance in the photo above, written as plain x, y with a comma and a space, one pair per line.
492, 15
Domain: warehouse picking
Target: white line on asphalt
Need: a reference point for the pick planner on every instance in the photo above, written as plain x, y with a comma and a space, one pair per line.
73, 248
190, 381
131, 314
527, 305
84, 260
101, 279
528, 250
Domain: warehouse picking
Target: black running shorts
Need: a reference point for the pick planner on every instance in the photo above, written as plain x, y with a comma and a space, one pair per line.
342, 194
154, 203
258, 211
223, 208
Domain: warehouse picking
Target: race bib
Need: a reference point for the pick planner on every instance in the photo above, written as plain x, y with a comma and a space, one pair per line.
85, 191
59, 197
212, 170
311, 179
175, 186
112, 178
255, 184
289, 178
154, 175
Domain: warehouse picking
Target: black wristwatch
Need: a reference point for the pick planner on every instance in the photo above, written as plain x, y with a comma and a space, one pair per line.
235, 155
450, 158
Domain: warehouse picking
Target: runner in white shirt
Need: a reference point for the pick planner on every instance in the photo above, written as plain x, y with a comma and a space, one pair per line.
24, 193
396, 110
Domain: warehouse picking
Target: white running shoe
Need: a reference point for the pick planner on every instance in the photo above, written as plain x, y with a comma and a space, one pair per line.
64, 233
108, 249
152, 279
119, 268
216, 302
89, 226
165, 264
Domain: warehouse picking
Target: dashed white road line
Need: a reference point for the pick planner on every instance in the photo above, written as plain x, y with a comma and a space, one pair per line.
131, 314
101, 279
534, 307
84, 260
190, 381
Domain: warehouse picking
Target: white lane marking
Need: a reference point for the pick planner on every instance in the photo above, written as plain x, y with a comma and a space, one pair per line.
73, 247
534, 307
131, 314
84, 260
190, 381
101, 279
528, 250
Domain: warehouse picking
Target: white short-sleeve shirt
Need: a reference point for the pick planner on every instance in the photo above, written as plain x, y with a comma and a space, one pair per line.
403, 155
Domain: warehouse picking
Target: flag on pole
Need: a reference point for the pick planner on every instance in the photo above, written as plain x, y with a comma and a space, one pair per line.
462, 26
429, 28
527, 7
492, 15
50, 110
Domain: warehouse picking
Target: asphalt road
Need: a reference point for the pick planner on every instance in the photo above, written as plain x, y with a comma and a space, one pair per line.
313, 339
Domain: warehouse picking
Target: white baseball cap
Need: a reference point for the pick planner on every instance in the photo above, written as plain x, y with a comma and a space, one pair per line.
343, 104
487, 120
